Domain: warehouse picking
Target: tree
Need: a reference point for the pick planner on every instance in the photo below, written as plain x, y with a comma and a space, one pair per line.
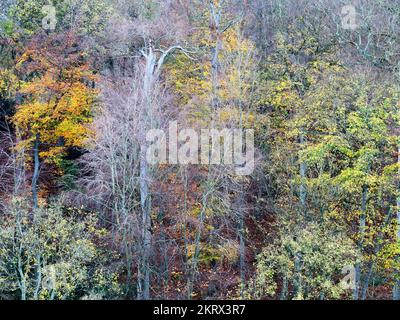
59, 96
308, 259
51, 253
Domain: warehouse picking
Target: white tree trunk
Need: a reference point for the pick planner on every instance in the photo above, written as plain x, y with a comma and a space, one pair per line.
153, 65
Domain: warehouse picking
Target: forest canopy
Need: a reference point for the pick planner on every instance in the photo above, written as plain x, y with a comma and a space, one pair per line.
273, 128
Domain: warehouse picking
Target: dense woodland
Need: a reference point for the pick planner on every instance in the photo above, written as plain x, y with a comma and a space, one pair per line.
82, 216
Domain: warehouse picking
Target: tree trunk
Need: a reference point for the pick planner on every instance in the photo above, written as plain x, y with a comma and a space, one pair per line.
297, 283
303, 190
35, 176
145, 201
362, 223
216, 35
144, 292
396, 287
242, 253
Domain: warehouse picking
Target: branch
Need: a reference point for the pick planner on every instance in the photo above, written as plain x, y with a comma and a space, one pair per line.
171, 50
